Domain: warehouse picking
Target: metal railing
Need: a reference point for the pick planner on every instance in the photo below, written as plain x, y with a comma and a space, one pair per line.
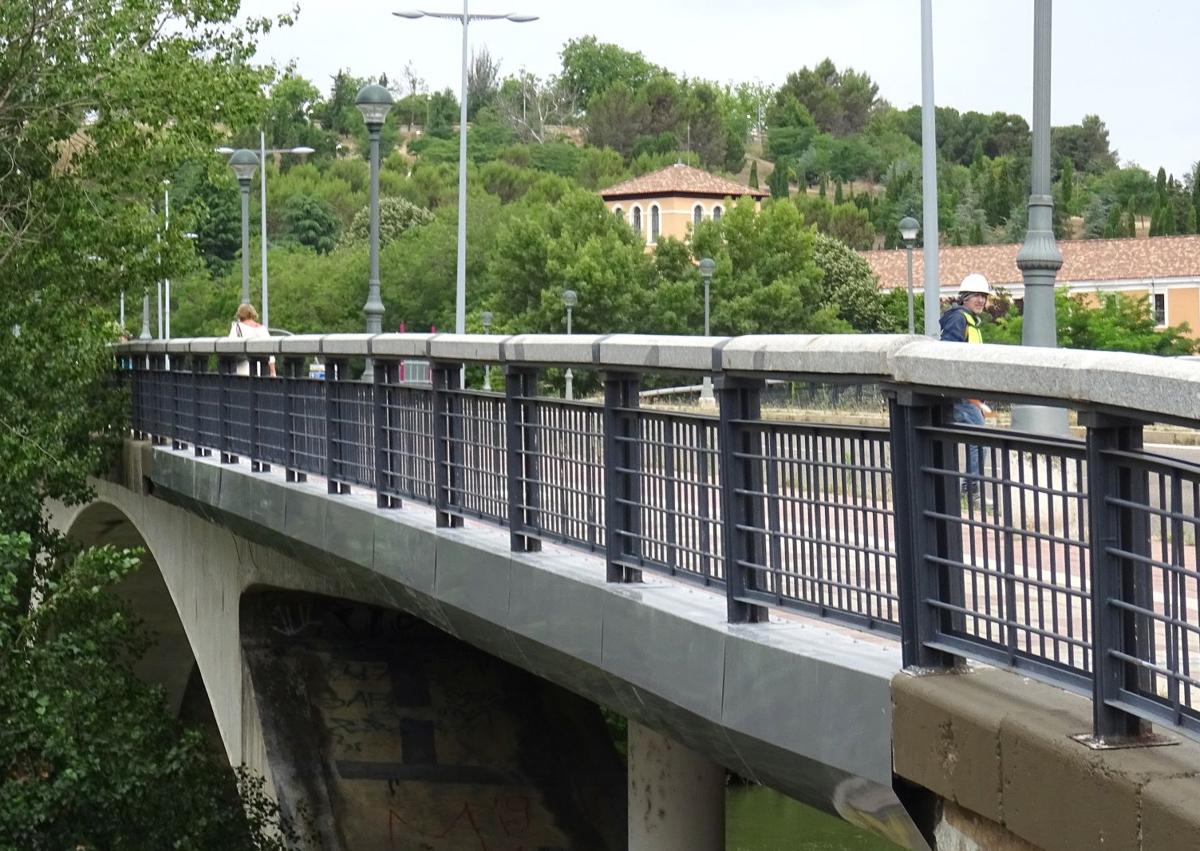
1072, 561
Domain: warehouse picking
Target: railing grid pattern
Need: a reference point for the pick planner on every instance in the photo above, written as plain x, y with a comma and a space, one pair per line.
1013, 562
207, 387
1162, 672
270, 422
352, 439
565, 445
829, 524
236, 409
477, 484
407, 429
679, 480
306, 424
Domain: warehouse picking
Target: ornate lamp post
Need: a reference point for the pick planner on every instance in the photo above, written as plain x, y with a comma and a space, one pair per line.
908, 232
374, 102
244, 163
707, 267
486, 319
569, 300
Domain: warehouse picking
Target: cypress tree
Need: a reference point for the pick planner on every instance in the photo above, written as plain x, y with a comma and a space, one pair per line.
1191, 220
1066, 183
837, 193
1112, 227
753, 174
822, 186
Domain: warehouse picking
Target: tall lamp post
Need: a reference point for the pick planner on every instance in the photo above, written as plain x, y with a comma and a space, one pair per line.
569, 300
707, 267
929, 201
908, 232
244, 162
374, 102
460, 293
486, 319
263, 150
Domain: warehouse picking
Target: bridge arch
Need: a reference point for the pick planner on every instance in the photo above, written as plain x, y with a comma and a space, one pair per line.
170, 661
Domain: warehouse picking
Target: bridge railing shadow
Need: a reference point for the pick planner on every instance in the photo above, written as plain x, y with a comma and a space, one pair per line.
1073, 560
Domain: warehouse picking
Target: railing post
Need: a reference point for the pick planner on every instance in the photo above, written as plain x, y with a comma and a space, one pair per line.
258, 370
292, 371
915, 497
334, 372
622, 468
1115, 529
384, 376
447, 440
742, 533
524, 466
226, 370
199, 368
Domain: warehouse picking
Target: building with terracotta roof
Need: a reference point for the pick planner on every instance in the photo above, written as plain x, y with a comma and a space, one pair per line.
1164, 268
670, 201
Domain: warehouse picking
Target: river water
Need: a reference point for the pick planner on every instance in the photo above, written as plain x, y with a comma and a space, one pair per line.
761, 819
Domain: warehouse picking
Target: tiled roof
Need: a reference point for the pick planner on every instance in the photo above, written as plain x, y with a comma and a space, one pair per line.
680, 179
1084, 260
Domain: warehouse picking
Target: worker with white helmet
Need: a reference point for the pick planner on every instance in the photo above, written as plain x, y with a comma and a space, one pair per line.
961, 324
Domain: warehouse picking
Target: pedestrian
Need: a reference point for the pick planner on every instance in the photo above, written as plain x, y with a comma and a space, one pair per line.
961, 324
246, 326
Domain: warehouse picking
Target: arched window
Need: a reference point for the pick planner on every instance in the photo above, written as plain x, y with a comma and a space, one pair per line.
654, 223
717, 213
619, 213
637, 219
697, 214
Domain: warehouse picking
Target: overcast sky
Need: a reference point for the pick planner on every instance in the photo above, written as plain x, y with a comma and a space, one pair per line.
1131, 63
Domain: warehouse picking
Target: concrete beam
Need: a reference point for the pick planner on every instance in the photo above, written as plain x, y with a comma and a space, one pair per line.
999, 745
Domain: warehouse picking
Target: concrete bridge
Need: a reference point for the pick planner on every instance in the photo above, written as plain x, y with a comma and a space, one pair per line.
817, 608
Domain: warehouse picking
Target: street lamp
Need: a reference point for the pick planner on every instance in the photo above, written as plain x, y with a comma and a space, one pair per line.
486, 319
908, 232
374, 102
570, 300
263, 150
244, 163
460, 292
707, 267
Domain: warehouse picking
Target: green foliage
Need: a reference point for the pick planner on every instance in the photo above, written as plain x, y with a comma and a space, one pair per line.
838, 101
591, 67
1104, 321
396, 216
778, 180
851, 288
753, 182
310, 221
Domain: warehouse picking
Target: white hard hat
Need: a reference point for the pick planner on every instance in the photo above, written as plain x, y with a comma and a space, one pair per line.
975, 283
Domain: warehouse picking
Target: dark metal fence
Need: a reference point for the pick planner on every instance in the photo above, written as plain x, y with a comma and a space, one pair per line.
1072, 561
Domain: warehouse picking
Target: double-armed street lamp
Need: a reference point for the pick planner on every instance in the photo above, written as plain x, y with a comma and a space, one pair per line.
707, 267
244, 163
908, 232
570, 299
374, 102
263, 150
465, 18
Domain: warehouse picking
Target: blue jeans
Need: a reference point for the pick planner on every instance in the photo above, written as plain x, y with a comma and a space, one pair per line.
968, 414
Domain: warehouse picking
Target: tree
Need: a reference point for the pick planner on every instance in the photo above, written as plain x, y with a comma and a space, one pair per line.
1107, 322
753, 183
482, 74
591, 67
851, 288
838, 101
616, 119
1066, 184
309, 221
533, 107
102, 102
1085, 144
289, 120
777, 180
396, 216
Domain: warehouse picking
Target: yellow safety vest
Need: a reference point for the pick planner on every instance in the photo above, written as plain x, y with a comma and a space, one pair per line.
974, 335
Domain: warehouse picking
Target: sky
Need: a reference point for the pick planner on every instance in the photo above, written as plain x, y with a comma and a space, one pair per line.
1130, 63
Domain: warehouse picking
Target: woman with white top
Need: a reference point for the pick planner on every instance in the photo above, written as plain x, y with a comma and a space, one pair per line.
244, 327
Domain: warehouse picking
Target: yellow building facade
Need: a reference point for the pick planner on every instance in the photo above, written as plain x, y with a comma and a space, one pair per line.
670, 202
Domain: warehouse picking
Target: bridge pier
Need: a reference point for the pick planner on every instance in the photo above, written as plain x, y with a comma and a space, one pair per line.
676, 796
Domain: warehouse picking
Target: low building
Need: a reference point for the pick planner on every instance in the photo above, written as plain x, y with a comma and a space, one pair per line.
1166, 269
670, 201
